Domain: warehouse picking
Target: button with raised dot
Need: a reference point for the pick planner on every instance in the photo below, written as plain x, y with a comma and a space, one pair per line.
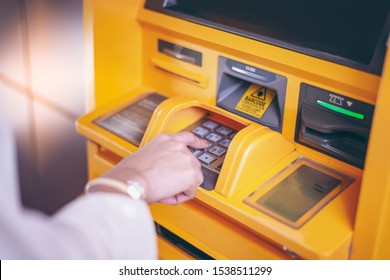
206, 158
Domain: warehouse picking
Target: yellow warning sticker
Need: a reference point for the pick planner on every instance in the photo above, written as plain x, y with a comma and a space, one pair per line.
255, 100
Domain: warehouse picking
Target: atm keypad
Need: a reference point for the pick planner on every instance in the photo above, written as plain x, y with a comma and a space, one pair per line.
212, 157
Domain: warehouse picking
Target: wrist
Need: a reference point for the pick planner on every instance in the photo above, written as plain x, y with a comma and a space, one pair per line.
131, 188
125, 174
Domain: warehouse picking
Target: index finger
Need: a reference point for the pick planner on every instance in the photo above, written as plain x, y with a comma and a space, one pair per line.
190, 140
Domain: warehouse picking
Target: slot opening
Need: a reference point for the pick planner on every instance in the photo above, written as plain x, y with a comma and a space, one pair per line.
251, 92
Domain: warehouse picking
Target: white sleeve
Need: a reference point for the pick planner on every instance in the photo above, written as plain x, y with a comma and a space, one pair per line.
106, 226
97, 226
94, 226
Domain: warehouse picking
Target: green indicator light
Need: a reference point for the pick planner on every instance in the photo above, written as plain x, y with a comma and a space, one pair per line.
340, 110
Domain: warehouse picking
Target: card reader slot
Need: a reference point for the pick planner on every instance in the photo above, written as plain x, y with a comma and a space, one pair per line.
180, 72
333, 134
347, 145
325, 122
335, 137
179, 56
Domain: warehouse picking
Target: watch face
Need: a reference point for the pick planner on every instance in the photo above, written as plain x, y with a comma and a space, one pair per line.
133, 193
134, 190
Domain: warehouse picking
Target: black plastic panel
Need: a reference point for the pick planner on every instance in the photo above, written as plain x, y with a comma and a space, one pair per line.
341, 129
349, 32
182, 244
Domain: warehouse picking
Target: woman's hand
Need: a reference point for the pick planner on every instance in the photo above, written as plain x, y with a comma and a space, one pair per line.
164, 167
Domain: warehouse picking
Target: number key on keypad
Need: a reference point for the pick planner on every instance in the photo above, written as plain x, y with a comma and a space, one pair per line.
224, 130
213, 137
218, 151
202, 132
210, 124
225, 143
196, 152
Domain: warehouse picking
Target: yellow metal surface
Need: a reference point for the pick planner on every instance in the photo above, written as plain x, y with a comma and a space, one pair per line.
114, 40
214, 233
168, 251
372, 232
126, 65
243, 173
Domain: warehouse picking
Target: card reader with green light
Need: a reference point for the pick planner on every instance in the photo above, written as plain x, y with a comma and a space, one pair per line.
333, 124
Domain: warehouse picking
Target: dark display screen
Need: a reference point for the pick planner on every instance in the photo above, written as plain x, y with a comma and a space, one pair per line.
351, 32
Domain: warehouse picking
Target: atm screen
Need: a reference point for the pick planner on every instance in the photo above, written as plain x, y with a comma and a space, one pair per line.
348, 32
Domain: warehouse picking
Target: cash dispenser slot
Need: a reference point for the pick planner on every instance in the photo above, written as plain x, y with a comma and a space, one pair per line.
251, 92
334, 124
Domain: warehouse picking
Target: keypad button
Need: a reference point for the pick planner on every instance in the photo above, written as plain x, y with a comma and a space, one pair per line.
213, 137
206, 158
196, 152
225, 143
208, 145
210, 124
224, 130
218, 151
201, 131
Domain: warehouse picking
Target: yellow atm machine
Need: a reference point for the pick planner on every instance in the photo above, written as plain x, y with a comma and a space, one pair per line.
293, 98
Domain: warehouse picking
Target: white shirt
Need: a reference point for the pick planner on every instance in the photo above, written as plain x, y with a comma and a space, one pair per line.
94, 226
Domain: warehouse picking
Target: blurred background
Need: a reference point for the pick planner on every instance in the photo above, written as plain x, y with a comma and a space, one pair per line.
42, 92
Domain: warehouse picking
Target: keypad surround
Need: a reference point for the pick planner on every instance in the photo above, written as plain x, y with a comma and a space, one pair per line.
211, 158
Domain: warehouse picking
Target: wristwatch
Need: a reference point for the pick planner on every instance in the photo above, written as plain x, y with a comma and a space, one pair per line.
135, 190
132, 188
